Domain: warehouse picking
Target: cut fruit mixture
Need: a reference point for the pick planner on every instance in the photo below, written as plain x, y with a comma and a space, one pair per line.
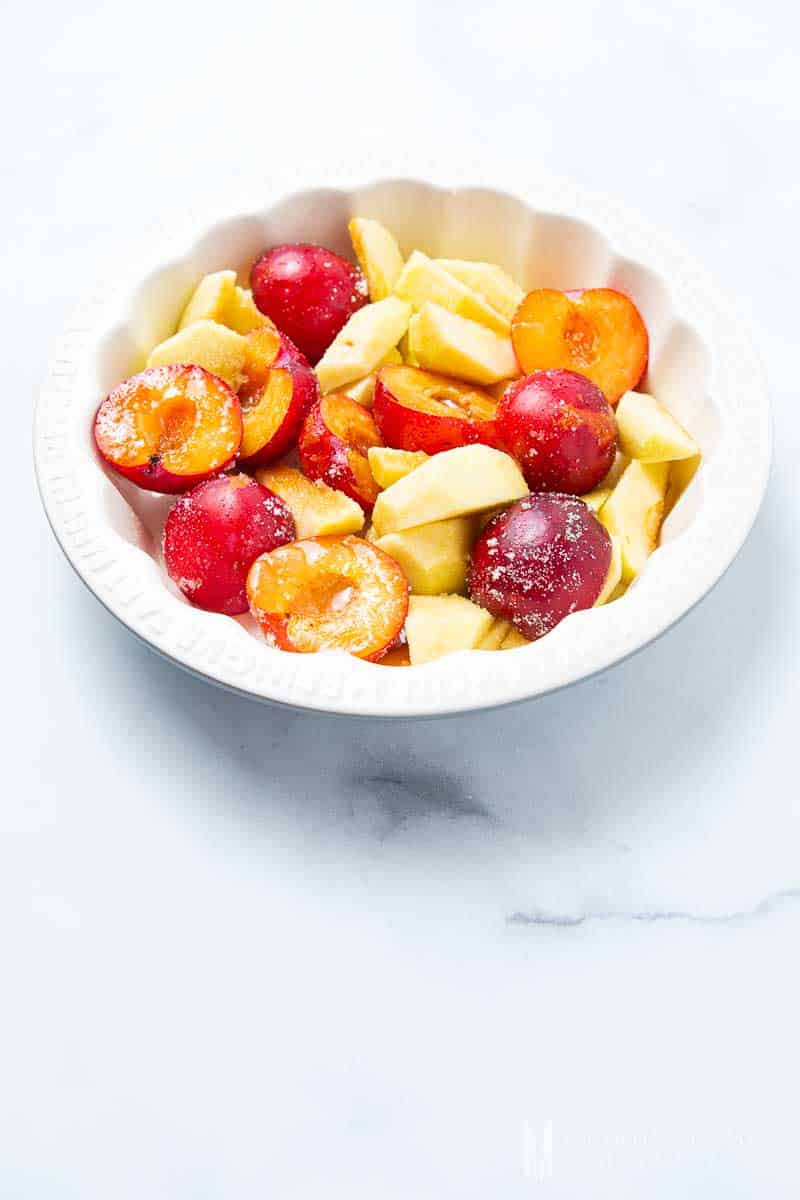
401, 457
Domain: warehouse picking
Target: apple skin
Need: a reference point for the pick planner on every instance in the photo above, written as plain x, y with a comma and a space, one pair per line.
115, 420
304, 395
404, 427
561, 430
333, 447
215, 533
309, 292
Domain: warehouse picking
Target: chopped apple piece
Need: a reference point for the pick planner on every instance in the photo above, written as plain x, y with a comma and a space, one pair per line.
497, 288
406, 353
422, 279
434, 557
514, 639
210, 299
205, 344
317, 509
497, 634
681, 474
634, 511
451, 345
241, 313
363, 390
615, 474
363, 343
218, 297
614, 576
597, 498
378, 255
388, 465
649, 432
438, 625
455, 483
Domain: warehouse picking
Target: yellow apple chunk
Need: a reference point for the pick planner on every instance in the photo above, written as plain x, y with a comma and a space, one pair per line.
363, 390
498, 632
597, 498
451, 345
241, 313
456, 483
378, 255
681, 474
649, 432
406, 353
317, 509
433, 557
210, 299
497, 288
614, 576
205, 344
388, 465
439, 625
513, 640
634, 512
610, 481
362, 344
423, 279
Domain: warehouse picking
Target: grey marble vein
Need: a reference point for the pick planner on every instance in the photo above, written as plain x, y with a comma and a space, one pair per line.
568, 920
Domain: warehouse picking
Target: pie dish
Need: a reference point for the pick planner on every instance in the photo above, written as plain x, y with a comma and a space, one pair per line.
701, 362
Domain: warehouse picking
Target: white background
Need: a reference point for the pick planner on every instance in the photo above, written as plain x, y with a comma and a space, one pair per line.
550, 951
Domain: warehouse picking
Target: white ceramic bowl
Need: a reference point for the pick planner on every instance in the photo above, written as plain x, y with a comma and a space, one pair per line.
702, 366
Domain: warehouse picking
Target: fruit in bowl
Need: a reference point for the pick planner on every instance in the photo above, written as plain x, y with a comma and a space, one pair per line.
542, 559
418, 410
334, 443
215, 532
309, 292
560, 428
598, 332
277, 392
416, 492
329, 594
170, 427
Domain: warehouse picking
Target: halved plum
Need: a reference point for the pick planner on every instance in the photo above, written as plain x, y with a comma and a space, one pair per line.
417, 410
168, 428
213, 535
329, 593
309, 292
542, 559
278, 391
333, 445
598, 332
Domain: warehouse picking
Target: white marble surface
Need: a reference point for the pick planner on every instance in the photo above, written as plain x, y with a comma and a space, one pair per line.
543, 952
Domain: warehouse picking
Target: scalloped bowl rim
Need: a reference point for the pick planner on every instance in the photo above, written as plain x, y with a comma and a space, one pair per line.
128, 582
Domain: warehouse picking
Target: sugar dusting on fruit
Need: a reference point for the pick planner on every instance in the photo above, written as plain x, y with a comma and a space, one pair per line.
544, 558
215, 532
329, 593
229, 542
